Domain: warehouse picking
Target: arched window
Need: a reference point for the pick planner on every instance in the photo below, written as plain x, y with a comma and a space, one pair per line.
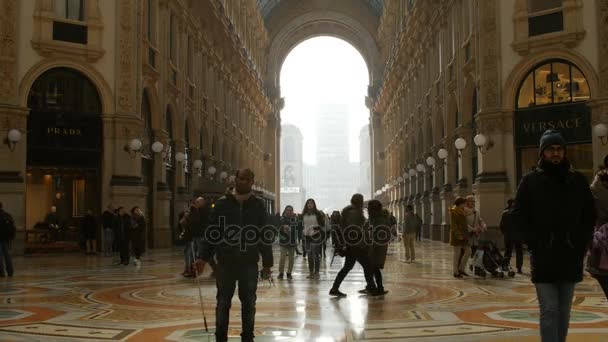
553, 82
64, 90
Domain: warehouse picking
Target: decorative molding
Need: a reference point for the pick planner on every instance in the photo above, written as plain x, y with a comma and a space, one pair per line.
602, 27
125, 87
121, 180
489, 55
11, 177
492, 177
8, 51
43, 42
573, 28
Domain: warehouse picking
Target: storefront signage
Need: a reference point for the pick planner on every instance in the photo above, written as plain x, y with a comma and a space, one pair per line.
64, 139
573, 121
62, 131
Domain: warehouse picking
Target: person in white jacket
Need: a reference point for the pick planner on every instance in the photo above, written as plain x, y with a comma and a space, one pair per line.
314, 224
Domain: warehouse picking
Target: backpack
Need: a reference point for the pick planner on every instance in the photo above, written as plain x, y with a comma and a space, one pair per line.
598, 255
7, 227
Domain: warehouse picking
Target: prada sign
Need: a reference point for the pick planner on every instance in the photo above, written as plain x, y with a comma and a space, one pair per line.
56, 138
64, 131
572, 121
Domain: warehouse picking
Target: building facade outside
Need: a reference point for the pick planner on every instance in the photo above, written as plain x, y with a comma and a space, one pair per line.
365, 163
292, 168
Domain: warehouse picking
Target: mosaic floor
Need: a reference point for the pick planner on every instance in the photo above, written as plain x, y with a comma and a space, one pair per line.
78, 298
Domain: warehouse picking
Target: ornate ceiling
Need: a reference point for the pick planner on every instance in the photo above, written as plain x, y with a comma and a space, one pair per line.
266, 6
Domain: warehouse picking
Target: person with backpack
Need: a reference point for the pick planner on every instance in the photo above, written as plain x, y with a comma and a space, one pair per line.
555, 213
597, 262
7, 235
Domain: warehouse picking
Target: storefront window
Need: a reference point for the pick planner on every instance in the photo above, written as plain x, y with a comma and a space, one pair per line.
552, 83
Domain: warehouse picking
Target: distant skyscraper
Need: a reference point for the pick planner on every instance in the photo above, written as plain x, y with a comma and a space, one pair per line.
292, 167
335, 178
365, 164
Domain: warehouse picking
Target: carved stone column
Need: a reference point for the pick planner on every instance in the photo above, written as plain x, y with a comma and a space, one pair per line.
12, 162
599, 105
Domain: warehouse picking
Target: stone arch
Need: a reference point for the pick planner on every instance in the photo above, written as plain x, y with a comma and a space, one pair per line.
289, 26
512, 83
105, 93
155, 107
171, 114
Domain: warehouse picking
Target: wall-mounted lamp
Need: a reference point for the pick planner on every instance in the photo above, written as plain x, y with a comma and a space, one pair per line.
420, 168
430, 161
223, 175
232, 178
483, 143
197, 165
211, 171
460, 145
601, 131
133, 147
12, 138
157, 147
180, 157
442, 154
400, 179
406, 175
412, 173
378, 192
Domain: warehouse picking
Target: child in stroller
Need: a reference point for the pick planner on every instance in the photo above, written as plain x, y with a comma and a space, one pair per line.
488, 259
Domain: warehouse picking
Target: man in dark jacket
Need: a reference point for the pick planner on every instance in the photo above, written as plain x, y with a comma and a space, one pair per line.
195, 222
108, 222
555, 212
354, 246
7, 234
512, 238
237, 235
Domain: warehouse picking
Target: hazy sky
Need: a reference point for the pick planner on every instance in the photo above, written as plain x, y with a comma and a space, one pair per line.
324, 70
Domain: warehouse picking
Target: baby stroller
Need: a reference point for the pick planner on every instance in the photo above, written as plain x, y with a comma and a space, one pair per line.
488, 259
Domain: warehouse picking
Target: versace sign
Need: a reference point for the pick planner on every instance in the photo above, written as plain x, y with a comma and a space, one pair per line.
572, 121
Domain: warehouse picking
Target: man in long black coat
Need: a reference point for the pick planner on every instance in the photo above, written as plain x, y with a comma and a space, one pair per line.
554, 210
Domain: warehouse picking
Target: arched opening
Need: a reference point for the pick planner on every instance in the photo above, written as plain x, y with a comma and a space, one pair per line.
553, 95
324, 81
64, 147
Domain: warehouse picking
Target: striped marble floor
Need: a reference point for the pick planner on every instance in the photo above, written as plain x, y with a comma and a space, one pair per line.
85, 298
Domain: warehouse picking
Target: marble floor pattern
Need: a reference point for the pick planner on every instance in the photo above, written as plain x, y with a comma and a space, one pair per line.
85, 298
